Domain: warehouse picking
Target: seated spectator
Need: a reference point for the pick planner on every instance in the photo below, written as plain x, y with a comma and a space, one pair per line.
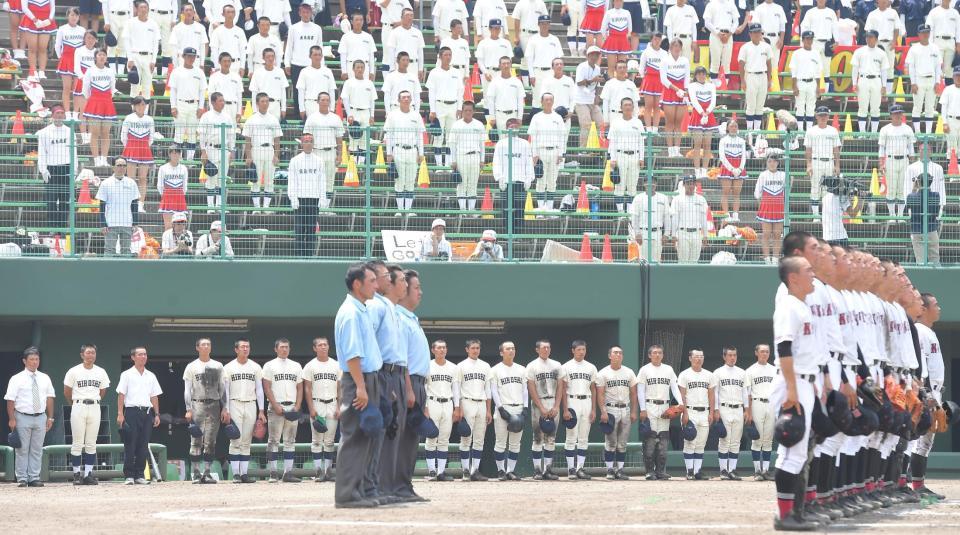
209, 244
177, 240
487, 250
435, 244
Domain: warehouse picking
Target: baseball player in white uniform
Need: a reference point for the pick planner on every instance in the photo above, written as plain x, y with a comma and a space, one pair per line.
889, 27
822, 150
656, 382
314, 79
357, 45
720, 18
756, 65
445, 89
327, 129
116, 15
141, 40
627, 142
83, 389
548, 134
403, 136
933, 372
321, 389
617, 397
188, 85
923, 66
263, 132
805, 69
821, 20
402, 78
359, 98
489, 51
474, 375
733, 398
217, 137
245, 395
698, 388
283, 387
944, 22
759, 379
204, 398
545, 380
950, 110
688, 214
228, 83
508, 388
272, 81
443, 407
465, 143
504, 96
580, 390
896, 144
868, 74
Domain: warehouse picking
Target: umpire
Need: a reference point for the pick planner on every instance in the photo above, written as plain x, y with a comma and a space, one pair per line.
360, 361
418, 364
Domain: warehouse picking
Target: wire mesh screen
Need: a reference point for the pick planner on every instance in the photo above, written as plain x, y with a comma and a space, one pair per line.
671, 338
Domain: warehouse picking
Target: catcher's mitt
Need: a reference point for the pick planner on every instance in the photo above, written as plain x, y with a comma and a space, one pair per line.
914, 406
673, 412
939, 420
871, 394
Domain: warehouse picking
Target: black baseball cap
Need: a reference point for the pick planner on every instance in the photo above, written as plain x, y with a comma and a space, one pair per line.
495, 23
823, 110
189, 51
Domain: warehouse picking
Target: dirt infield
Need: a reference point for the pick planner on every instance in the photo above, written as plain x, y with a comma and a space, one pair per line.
677, 506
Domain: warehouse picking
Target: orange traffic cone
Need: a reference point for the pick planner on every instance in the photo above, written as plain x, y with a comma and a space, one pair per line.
583, 206
423, 177
586, 253
467, 92
607, 254
953, 169
939, 87
733, 117
836, 122
339, 110
475, 76
685, 124
722, 76
352, 177
84, 199
56, 245
17, 129
604, 142
487, 204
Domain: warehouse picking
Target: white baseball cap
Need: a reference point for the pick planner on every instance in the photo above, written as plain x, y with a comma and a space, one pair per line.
438, 222
179, 216
216, 225
489, 235
593, 49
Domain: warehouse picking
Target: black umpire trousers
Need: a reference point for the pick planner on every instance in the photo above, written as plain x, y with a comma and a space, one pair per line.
305, 227
58, 196
519, 195
409, 442
356, 447
137, 441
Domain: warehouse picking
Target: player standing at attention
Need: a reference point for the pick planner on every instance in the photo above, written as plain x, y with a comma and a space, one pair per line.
321, 389
443, 407
579, 392
731, 408
283, 386
244, 392
759, 379
83, 388
655, 383
509, 393
697, 386
616, 397
475, 390
204, 396
545, 380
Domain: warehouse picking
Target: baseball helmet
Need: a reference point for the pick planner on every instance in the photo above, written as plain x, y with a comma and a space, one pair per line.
354, 129
672, 412
291, 416
607, 427
548, 425
572, 422
110, 39
719, 428
562, 111
839, 410
463, 428
232, 431
456, 177
319, 424
13, 439
371, 420
210, 168
871, 394
751, 431
517, 52
822, 425
259, 429
645, 430
790, 427
615, 175
952, 410
124, 431
925, 422
538, 169
133, 76
689, 431
565, 19
865, 421
195, 430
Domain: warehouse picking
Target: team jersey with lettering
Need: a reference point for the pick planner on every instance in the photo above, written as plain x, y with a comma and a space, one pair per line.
616, 384
933, 368
510, 382
731, 385
243, 379
205, 378
284, 376
793, 322
546, 376
697, 385
86, 384
656, 380
579, 377
324, 377
760, 378
441, 378
474, 379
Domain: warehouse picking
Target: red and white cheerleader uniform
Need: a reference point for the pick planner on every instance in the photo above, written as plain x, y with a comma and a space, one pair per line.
617, 25
703, 99
593, 13
14, 6
35, 11
69, 39
769, 191
98, 87
651, 61
172, 185
83, 59
675, 72
136, 134
733, 155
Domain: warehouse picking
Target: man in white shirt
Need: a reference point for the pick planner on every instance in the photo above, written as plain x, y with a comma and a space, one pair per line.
399, 80
923, 66
805, 69
116, 15
226, 81
821, 20
435, 246
217, 135
627, 141
485, 12
869, 77
460, 48
650, 217
613, 93
756, 67
822, 151
526, 19
886, 21
489, 51
188, 85
407, 39
465, 147
54, 157
513, 167
83, 389
306, 187
258, 43
445, 12
275, 11
116, 193
680, 22
357, 45
504, 96
541, 50
229, 38
30, 398
773, 22
944, 22
563, 89
950, 109
445, 89
547, 133
721, 20
138, 412
263, 132
403, 136
283, 389
689, 214
390, 18
164, 13
896, 144
302, 37
214, 244
188, 34
141, 40
271, 81
326, 128
588, 78
314, 79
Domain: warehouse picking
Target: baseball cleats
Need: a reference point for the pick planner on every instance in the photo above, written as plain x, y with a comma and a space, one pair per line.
141, 481
767, 476
207, 479
611, 475
699, 476
245, 478
443, 476
431, 476
236, 478
513, 477
621, 475
128, 481
357, 504
501, 475
288, 477
537, 475
689, 475
548, 475
651, 477
465, 476
35, 483
733, 476
77, 478
196, 477
724, 474
273, 476
582, 474
329, 475
318, 477
663, 476
90, 479
794, 523
571, 474
477, 476
757, 476
925, 492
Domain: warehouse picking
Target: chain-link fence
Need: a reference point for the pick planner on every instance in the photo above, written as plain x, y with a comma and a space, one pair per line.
465, 192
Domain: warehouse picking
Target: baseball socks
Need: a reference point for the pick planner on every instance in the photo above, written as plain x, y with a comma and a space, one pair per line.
732, 459
547, 460
512, 457
697, 462
571, 456
757, 462
431, 456
287, 461
441, 461
581, 458
608, 457
501, 460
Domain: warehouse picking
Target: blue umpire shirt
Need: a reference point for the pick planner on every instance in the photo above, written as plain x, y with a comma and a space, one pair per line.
355, 338
418, 348
386, 325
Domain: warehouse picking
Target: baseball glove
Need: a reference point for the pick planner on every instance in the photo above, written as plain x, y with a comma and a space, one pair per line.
939, 420
673, 412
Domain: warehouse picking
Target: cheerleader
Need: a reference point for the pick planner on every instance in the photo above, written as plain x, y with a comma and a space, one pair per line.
650, 61
69, 39
99, 84
136, 134
83, 57
14, 11
617, 26
172, 185
593, 14
674, 75
37, 25
733, 159
703, 100
770, 192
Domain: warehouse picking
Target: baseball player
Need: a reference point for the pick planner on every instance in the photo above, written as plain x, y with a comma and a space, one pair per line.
260, 42
489, 51
547, 132
400, 79
229, 39
822, 150
403, 136
615, 90
229, 84
262, 150
617, 397
680, 22
272, 81
656, 382
357, 45
188, 33
474, 378
721, 19
821, 20
805, 70
283, 386
868, 75
83, 389
484, 13
321, 387
541, 49
116, 15
508, 388
314, 79
445, 90
465, 146
933, 370
756, 66
359, 98
141, 38
950, 110
302, 38
545, 380
204, 396
773, 21
526, 23
390, 18
459, 47
327, 130
886, 22
216, 135
759, 379
188, 85
407, 38
733, 397
896, 144
697, 388
443, 407
627, 142
244, 390
445, 12
944, 22
580, 390
504, 96
688, 214
649, 217
276, 12
923, 66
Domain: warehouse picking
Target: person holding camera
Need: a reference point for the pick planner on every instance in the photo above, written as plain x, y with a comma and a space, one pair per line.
177, 240
435, 244
836, 204
209, 245
487, 249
